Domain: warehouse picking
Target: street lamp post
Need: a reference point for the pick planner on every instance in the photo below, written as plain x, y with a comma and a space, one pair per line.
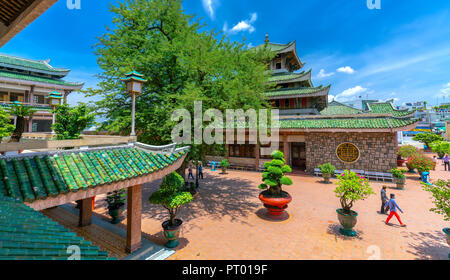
134, 82
55, 101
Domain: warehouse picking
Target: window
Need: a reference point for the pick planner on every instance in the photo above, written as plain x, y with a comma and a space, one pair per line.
243, 151
287, 103
278, 66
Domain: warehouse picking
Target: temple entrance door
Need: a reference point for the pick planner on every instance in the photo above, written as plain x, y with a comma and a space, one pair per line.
299, 156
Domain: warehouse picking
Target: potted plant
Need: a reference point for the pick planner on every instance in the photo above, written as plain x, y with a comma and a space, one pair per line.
441, 148
405, 152
273, 197
327, 171
116, 203
441, 200
422, 163
171, 196
351, 188
224, 164
399, 178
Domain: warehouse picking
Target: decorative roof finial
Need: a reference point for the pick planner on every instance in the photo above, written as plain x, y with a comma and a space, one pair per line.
267, 38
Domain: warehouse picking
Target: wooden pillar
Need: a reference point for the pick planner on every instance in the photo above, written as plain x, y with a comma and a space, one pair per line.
85, 217
285, 148
134, 215
257, 151
31, 101
227, 151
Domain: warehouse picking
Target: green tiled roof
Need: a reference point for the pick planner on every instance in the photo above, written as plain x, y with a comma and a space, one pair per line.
346, 123
37, 178
274, 46
38, 108
28, 64
25, 77
387, 108
296, 91
26, 234
280, 77
336, 108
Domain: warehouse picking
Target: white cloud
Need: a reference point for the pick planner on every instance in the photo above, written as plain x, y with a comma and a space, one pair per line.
446, 89
242, 26
350, 93
210, 7
323, 74
346, 69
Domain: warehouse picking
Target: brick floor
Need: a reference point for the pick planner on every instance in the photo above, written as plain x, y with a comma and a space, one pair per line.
227, 221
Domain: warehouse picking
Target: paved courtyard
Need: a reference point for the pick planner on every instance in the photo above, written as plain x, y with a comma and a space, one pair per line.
227, 221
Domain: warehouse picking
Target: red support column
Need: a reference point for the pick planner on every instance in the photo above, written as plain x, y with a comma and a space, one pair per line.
134, 215
85, 217
285, 148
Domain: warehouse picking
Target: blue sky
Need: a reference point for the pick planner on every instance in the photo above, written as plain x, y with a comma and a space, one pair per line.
401, 51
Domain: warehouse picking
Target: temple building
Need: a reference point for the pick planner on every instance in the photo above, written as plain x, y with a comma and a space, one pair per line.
30, 82
314, 131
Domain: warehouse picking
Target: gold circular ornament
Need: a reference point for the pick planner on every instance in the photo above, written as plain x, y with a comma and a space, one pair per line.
348, 153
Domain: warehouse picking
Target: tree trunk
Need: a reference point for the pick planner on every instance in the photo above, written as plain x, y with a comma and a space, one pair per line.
20, 126
182, 170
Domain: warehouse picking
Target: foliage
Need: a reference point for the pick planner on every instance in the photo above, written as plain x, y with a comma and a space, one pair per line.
351, 188
407, 151
116, 199
274, 175
171, 195
441, 197
6, 128
421, 162
225, 163
327, 168
398, 173
441, 148
182, 61
428, 138
20, 112
70, 122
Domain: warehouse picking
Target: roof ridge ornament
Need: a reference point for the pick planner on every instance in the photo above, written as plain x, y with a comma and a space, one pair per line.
267, 39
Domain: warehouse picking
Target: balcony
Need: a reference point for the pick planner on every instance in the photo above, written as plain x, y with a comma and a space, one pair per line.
39, 107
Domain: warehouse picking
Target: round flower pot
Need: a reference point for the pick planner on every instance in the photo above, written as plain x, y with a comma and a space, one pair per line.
224, 170
116, 215
348, 222
276, 206
447, 232
326, 178
400, 162
171, 233
410, 169
400, 182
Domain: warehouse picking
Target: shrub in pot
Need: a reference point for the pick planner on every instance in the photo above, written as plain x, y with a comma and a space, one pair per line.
351, 188
273, 197
422, 163
441, 199
116, 203
327, 171
399, 178
224, 164
441, 148
171, 196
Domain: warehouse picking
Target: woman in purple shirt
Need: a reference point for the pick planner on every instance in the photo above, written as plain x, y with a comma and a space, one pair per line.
446, 160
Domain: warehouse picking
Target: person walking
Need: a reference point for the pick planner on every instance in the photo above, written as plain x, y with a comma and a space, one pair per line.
435, 160
384, 200
446, 160
200, 170
393, 206
190, 173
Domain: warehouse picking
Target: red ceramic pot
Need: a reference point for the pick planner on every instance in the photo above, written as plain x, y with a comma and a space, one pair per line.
275, 205
400, 162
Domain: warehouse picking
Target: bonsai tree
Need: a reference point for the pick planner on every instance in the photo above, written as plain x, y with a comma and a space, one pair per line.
327, 170
70, 122
441, 148
407, 151
441, 197
115, 201
427, 138
274, 175
171, 195
351, 188
224, 164
6, 128
20, 112
422, 163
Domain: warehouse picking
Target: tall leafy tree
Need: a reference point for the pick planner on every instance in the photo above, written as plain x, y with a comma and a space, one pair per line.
6, 128
20, 112
182, 61
70, 122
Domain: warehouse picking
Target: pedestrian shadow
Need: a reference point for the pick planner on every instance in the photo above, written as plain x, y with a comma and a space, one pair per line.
333, 229
429, 245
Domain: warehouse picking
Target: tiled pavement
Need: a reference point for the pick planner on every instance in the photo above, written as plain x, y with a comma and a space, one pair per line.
227, 221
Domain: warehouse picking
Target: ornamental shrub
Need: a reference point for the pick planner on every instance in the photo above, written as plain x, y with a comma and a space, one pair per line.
428, 138
327, 168
116, 199
352, 187
422, 163
441, 197
441, 148
407, 151
225, 163
274, 175
398, 173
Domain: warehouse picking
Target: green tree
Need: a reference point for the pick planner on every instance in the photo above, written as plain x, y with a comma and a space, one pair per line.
441, 197
182, 61
274, 175
427, 138
70, 122
351, 188
441, 148
6, 128
20, 112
